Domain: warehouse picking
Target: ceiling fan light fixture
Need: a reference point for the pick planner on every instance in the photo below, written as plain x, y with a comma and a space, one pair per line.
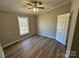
35, 9
35, 5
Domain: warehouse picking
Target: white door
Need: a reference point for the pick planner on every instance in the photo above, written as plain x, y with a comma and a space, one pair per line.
62, 27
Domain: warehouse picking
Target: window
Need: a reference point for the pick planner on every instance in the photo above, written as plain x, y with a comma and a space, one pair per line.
23, 25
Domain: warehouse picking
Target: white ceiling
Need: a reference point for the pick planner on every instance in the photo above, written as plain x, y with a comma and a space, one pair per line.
19, 5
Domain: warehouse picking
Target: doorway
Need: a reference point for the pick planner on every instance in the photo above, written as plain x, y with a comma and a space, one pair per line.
62, 28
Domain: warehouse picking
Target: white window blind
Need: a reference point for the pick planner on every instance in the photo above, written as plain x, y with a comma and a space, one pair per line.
23, 25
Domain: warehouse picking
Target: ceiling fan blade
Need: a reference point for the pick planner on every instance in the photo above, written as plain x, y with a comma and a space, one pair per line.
29, 4
41, 7
30, 8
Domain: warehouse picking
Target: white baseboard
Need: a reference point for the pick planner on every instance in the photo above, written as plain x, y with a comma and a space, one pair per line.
12, 43
24, 38
16, 41
48, 36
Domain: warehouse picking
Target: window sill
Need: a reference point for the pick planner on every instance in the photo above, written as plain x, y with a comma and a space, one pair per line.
24, 34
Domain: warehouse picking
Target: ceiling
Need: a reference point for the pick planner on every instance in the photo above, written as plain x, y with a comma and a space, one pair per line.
20, 6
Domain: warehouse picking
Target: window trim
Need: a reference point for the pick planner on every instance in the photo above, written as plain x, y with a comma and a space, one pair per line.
19, 27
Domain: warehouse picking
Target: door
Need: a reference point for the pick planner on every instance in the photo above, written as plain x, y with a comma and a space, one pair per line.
62, 28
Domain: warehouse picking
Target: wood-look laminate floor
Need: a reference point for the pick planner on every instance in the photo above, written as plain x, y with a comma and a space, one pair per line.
35, 47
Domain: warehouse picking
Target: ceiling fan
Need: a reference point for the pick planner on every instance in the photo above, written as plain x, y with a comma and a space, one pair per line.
35, 5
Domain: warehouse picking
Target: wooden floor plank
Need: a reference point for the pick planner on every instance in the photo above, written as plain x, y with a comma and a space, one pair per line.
35, 47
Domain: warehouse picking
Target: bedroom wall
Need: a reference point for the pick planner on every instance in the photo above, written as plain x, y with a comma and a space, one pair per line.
9, 29
73, 39
47, 22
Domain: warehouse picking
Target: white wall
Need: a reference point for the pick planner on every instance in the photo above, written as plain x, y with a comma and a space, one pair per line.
47, 22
